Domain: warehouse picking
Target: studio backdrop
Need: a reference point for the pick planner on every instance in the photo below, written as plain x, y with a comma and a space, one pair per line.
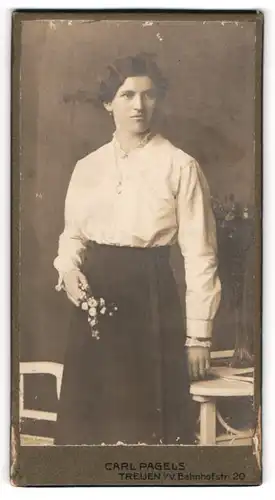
208, 112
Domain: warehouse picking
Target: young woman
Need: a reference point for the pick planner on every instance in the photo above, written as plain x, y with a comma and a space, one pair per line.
127, 203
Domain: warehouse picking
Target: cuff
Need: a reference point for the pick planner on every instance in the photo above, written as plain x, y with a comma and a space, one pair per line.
199, 328
194, 342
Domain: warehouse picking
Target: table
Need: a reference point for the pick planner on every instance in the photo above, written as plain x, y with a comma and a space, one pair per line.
206, 392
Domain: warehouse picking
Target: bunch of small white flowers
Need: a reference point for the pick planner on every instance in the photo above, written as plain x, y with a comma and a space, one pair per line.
95, 307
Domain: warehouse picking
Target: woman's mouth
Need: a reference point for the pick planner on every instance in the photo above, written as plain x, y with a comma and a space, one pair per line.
138, 117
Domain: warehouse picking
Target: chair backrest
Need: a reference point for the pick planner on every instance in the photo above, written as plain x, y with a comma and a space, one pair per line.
38, 367
222, 354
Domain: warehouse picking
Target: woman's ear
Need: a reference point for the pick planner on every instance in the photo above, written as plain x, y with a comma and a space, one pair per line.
108, 106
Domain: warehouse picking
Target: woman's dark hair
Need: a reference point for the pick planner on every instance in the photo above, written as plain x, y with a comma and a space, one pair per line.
122, 68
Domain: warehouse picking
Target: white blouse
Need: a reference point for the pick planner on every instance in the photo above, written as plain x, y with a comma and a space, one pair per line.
155, 195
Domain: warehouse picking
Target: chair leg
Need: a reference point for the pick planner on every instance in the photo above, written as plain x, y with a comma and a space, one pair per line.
208, 422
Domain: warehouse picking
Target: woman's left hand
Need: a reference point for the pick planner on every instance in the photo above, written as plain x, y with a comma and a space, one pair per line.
198, 359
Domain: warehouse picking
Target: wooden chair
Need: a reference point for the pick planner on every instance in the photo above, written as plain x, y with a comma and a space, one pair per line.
38, 367
206, 392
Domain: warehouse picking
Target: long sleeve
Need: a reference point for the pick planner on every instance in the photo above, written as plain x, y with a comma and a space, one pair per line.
72, 242
197, 241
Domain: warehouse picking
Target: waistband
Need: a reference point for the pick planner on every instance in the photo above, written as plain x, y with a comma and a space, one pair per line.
161, 249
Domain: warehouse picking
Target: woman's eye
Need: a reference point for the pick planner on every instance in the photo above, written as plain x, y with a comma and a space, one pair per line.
127, 95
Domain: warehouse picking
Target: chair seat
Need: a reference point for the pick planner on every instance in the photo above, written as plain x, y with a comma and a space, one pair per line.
223, 384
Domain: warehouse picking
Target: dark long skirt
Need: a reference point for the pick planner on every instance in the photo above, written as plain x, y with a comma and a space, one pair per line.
130, 386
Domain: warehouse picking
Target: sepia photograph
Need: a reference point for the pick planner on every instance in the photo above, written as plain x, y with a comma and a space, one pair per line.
139, 245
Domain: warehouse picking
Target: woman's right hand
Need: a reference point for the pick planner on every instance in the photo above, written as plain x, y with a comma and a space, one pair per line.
72, 281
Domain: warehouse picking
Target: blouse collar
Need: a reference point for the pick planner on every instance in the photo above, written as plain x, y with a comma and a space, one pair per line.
123, 154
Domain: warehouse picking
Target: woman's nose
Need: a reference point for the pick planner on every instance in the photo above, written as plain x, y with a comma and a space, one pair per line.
138, 102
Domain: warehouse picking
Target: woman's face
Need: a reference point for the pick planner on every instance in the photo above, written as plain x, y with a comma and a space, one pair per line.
134, 104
